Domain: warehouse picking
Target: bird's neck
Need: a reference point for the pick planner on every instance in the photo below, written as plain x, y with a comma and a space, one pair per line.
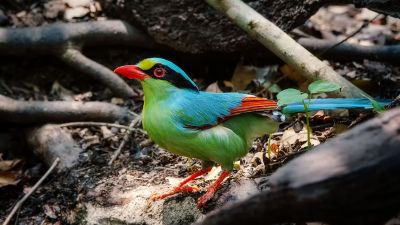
157, 90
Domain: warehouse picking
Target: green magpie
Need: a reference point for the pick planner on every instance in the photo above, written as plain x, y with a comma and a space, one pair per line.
217, 128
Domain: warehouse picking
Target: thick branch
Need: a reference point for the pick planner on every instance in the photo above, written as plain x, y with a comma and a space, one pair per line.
351, 179
52, 39
63, 40
80, 62
283, 45
27, 112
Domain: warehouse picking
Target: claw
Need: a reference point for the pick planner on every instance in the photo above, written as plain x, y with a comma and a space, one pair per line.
201, 202
182, 187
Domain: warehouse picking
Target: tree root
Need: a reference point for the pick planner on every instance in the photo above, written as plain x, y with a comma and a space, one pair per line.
37, 112
351, 179
65, 41
345, 51
75, 59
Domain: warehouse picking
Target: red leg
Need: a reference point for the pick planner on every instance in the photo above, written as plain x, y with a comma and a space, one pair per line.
181, 186
201, 202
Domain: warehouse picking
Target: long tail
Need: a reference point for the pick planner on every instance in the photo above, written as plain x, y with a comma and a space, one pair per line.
332, 103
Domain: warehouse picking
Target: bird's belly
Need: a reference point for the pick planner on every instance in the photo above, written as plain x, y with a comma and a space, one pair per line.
218, 144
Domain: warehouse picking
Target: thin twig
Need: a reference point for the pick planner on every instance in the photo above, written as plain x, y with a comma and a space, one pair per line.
20, 202
365, 24
86, 124
124, 140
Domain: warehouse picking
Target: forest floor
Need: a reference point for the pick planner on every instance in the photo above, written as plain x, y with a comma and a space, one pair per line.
94, 192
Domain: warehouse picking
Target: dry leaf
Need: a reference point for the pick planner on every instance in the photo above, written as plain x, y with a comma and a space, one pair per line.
84, 96
213, 174
62, 92
293, 75
117, 101
106, 132
9, 178
258, 159
340, 128
213, 88
290, 137
6, 165
242, 76
236, 165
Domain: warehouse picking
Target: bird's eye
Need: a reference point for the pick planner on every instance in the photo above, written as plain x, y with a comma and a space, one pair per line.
159, 72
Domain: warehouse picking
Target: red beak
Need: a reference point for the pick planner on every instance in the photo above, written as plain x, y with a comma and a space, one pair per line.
131, 72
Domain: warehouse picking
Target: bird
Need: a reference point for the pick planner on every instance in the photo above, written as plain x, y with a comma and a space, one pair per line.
217, 128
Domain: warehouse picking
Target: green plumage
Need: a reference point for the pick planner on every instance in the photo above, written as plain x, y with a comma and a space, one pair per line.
222, 144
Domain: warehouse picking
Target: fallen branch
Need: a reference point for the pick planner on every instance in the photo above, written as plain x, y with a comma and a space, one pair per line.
345, 51
351, 179
283, 45
35, 112
33, 189
65, 40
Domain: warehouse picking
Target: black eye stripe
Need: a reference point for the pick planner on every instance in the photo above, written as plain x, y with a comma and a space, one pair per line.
171, 76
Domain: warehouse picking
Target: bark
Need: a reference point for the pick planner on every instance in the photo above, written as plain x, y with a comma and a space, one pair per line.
351, 179
53, 39
37, 112
193, 26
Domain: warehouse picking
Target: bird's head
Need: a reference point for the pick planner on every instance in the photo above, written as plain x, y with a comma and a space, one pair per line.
151, 69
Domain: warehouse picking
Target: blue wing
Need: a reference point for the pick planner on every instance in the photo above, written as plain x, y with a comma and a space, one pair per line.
205, 109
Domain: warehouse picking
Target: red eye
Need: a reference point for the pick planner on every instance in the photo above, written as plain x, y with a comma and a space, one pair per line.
159, 72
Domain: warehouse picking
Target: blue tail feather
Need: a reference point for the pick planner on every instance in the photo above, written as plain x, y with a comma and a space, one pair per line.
332, 103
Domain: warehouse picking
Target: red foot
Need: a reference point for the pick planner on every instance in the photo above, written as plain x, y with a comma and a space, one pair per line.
201, 202
181, 186
186, 188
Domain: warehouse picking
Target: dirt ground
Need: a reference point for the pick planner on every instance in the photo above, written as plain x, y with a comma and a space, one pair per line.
92, 192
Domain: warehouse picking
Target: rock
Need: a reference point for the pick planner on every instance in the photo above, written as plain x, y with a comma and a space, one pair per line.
50, 142
135, 208
77, 12
121, 200
180, 210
